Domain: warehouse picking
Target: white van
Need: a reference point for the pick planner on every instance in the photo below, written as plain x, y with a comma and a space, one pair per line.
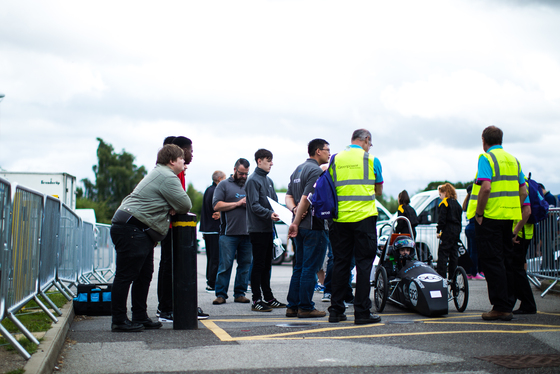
426, 206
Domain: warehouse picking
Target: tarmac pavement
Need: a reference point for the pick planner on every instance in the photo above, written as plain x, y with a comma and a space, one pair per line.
238, 340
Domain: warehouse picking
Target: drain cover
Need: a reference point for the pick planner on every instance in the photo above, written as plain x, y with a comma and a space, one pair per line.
297, 324
524, 361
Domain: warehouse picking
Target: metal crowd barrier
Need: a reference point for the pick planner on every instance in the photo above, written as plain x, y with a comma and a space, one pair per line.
544, 251
49, 249
104, 253
70, 243
43, 243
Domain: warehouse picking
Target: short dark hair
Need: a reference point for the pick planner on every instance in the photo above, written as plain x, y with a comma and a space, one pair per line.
169, 152
404, 199
314, 145
361, 134
241, 161
182, 141
492, 136
263, 153
169, 140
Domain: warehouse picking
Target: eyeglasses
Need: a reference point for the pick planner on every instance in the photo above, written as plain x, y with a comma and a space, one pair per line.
325, 149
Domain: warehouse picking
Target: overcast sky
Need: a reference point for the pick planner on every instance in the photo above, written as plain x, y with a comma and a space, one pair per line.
425, 77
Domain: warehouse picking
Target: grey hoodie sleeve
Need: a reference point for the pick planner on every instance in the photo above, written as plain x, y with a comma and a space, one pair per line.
253, 191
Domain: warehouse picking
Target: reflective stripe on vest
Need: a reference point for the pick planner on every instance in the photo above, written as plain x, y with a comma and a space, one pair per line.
355, 189
503, 201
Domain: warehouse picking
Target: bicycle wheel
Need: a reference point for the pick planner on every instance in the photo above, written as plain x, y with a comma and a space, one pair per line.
460, 289
381, 290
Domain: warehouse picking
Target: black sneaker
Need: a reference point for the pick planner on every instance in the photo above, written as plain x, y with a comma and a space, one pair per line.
201, 314
337, 317
275, 303
260, 306
166, 317
372, 318
210, 289
127, 326
149, 324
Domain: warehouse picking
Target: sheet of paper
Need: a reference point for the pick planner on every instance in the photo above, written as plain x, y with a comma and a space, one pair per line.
282, 211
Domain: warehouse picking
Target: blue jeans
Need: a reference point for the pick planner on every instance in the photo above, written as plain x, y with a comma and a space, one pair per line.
311, 246
471, 247
229, 246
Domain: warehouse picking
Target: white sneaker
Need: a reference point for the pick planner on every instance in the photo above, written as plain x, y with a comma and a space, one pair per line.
326, 297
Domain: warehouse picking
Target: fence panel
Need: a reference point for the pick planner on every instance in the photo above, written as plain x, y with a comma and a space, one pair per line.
26, 236
105, 250
70, 237
87, 252
50, 239
5, 241
544, 250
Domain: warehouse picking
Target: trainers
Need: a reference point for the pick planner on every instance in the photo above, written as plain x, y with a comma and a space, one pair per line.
149, 324
166, 316
219, 300
311, 313
275, 304
260, 306
326, 297
127, 326
291, 312
210, 289
201, 314
241, 299
319, 288
478, 276
494, 315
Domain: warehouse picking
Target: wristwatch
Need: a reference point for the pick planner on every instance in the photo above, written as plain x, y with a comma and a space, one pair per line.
479, 215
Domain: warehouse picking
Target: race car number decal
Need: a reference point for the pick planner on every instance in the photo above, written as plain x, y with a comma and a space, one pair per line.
413, 293
429, 278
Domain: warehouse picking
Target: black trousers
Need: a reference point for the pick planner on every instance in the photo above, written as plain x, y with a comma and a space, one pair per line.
262, 265
212, 242
358, 239
495, 252
135, 265
522, 288
165, 276
448, 251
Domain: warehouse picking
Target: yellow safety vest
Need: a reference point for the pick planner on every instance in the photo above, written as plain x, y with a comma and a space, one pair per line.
527, 231
354, 179
503, 202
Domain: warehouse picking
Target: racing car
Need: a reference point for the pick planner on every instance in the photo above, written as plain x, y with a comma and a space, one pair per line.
413, 284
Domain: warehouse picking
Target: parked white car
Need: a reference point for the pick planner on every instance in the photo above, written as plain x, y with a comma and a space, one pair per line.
426, 206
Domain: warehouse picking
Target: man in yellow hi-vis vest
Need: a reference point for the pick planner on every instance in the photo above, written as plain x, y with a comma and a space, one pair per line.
357, 178
495, 202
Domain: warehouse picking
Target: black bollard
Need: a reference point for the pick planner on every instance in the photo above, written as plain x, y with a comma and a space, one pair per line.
185, 300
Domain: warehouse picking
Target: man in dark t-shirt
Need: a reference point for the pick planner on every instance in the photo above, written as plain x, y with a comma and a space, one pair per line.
309, 232
229, 199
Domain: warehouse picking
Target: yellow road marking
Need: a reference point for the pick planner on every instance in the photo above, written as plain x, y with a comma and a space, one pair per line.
219, 332
225, 337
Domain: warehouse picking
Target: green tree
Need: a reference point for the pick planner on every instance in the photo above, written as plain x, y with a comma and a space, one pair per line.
388, 202
116, 175
457, 185
196, 199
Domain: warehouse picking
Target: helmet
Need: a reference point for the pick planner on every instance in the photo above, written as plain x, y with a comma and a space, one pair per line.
403, 242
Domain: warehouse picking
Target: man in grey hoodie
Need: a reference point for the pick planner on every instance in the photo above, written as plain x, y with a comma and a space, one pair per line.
260, 225
139, 223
